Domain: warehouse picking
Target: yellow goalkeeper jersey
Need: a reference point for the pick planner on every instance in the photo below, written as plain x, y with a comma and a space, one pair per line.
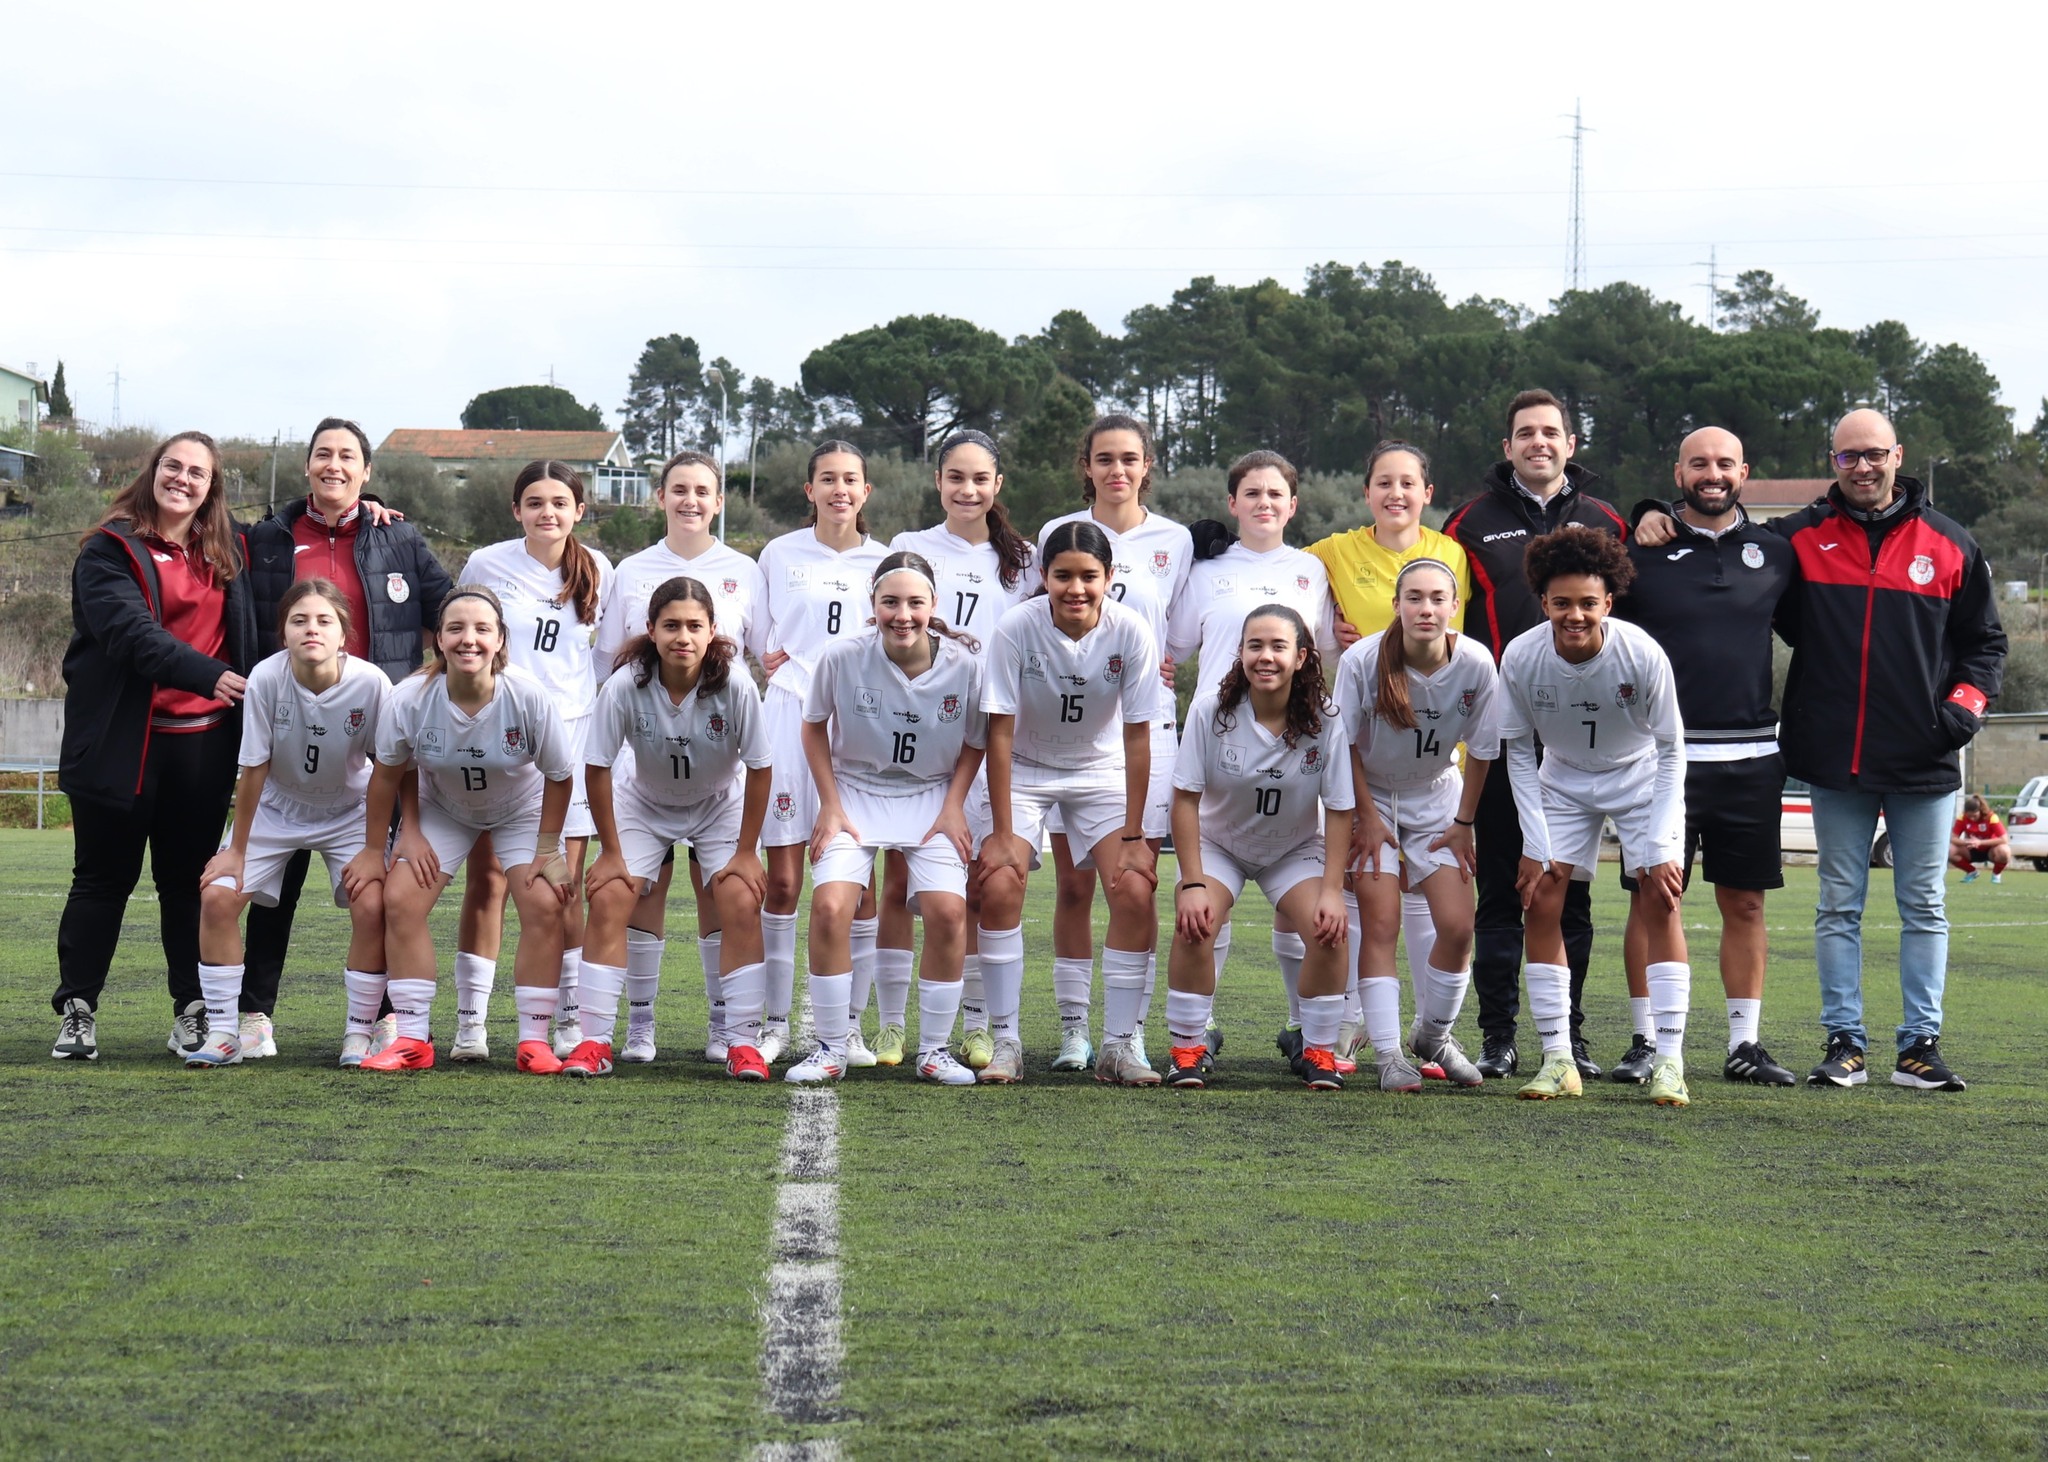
1362, 574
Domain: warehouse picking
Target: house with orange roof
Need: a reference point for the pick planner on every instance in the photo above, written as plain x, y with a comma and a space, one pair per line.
600, 456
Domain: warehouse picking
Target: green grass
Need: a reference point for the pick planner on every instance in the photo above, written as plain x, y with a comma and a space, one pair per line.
298, 1262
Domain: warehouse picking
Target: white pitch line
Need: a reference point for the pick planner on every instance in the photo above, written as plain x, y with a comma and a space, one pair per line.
802, 1350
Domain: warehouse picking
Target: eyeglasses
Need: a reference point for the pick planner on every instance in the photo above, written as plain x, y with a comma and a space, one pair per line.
1875, 456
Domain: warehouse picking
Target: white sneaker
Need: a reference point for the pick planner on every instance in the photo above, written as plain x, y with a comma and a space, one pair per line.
188, 1029
823, 1064
355, 1046
939, 1066
857, 1052
259, 1036
1005, 1063
568, 1036
1350, 1034
216, 1050
1076, 1054
1123, 1064
75, 1040
774, 1040
717, 1047
383, 1033
639, 1043
471, 1043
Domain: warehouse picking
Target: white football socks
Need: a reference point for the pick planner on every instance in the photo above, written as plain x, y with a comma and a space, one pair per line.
1222, 949
565, 988
1321, 1015
1418, 933
412, 1001
600, 987
365, 990
863, 938
1640, 1020
1446, 998
778, 946
938, 1004
220, 988
892, 985
643, 978
831, 1014
1550, 1006
1671, 1000
1002, 979
1380, 997
1290, 950
474, 977
1072, 985
973, 995
1745, 1019
536, 1007
710, 950
1123, 993
746, 988
1187, 1016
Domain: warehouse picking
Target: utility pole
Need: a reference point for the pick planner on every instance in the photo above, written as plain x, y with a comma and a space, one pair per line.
275, 438
717, 378
115, 423
1575, 270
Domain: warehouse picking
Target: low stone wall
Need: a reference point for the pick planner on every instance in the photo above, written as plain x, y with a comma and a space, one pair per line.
31, 730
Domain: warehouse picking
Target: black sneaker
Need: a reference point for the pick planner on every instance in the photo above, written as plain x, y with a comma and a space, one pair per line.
1589, 1069
75, 1041
1843, 1064
1634, 1066
1497, 1057
1750, 1062
1920, 1065
1212, 1037
1289, 1042
1189, 1066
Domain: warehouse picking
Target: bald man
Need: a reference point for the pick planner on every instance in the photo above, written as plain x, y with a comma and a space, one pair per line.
1896, 653
1710, 596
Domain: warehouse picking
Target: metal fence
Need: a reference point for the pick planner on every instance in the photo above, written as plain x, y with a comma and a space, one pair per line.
44, 789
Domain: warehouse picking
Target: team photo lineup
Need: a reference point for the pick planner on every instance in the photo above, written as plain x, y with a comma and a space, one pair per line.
1413, 741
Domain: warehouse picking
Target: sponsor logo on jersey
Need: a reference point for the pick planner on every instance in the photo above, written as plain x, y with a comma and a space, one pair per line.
1543, 697
967, 574
1071, 679
396, 589
357, 719
515, 739
1430, 711
1114, 670
949, 708
642, 723
785, 807
1511, 533
714, 729
1467, 701
1225, 586
282, 716
1034, 665
1162, 563
866, 702
799, 575
1624, 694
1589, 707
837, 586
1675, 557
1233, 760
316, 730
910, 716
1922, 571
728, 587
1753, 555
1312, 760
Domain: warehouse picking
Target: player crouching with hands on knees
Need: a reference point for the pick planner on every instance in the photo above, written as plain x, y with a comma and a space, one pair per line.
1598, 693
1062, 672
309, 734
1264, 772
492, 757
1408, 696
894, 733
692, 728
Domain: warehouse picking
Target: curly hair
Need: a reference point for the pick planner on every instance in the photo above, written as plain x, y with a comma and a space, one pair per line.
1307, 699
1576, 550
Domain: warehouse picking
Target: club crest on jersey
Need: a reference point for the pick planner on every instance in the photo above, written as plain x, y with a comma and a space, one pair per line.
1625, 694
1922, 570
866, 702
1114, 670
1753, 555
1467, 701
515, 738
1162, 563
355, 722
1301, 582
785, 807
949, 708
728, 587
1312, 760
714, 729
396, 589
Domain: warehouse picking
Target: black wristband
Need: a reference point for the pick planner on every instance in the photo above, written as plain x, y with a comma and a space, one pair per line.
1191, 883
1134, 837
1462, 823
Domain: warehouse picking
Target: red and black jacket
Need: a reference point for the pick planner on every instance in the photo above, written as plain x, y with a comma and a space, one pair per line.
1896, 652
1494, 529
120, 652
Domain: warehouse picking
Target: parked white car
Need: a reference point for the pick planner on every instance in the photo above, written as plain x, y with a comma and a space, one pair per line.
2027, 824
1795, 825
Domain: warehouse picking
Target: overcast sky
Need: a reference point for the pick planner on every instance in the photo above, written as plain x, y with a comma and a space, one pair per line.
264, 214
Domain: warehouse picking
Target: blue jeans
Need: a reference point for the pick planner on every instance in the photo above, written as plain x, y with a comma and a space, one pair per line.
1843, 825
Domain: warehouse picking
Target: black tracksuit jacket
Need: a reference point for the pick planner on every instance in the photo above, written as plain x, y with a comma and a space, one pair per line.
1494, 529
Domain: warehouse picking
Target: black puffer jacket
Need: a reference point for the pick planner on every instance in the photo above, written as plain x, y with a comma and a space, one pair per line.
120, 653
403, 584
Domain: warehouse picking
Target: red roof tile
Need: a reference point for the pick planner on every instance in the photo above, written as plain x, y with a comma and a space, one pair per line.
524, 446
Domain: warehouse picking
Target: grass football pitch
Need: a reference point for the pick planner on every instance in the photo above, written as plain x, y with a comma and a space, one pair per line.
293, 1261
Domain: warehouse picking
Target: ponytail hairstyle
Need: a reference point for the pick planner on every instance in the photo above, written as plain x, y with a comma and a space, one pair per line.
579, 569
1116, 421
1976, 807
1013, 551
1307, 700
1212, 538
904, 561
640, 653
436, 665
1390, 692
213, 531
305, 589
833, 448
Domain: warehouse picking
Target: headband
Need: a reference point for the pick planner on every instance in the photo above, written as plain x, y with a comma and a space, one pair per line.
902, 568
1425, 563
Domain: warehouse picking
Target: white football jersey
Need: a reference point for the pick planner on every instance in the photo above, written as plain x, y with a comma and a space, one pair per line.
1260, 795
971, 596
544, 637
1071, 697
815, 596
681, 754
1607, 713
1152, 563
478, 768
1209, 615
739, 599
318, 746
1460, 702
893, 736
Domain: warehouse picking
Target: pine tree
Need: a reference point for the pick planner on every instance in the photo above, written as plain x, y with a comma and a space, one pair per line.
60, 398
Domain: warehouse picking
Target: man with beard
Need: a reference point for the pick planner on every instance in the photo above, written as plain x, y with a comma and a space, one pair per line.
1709, 597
